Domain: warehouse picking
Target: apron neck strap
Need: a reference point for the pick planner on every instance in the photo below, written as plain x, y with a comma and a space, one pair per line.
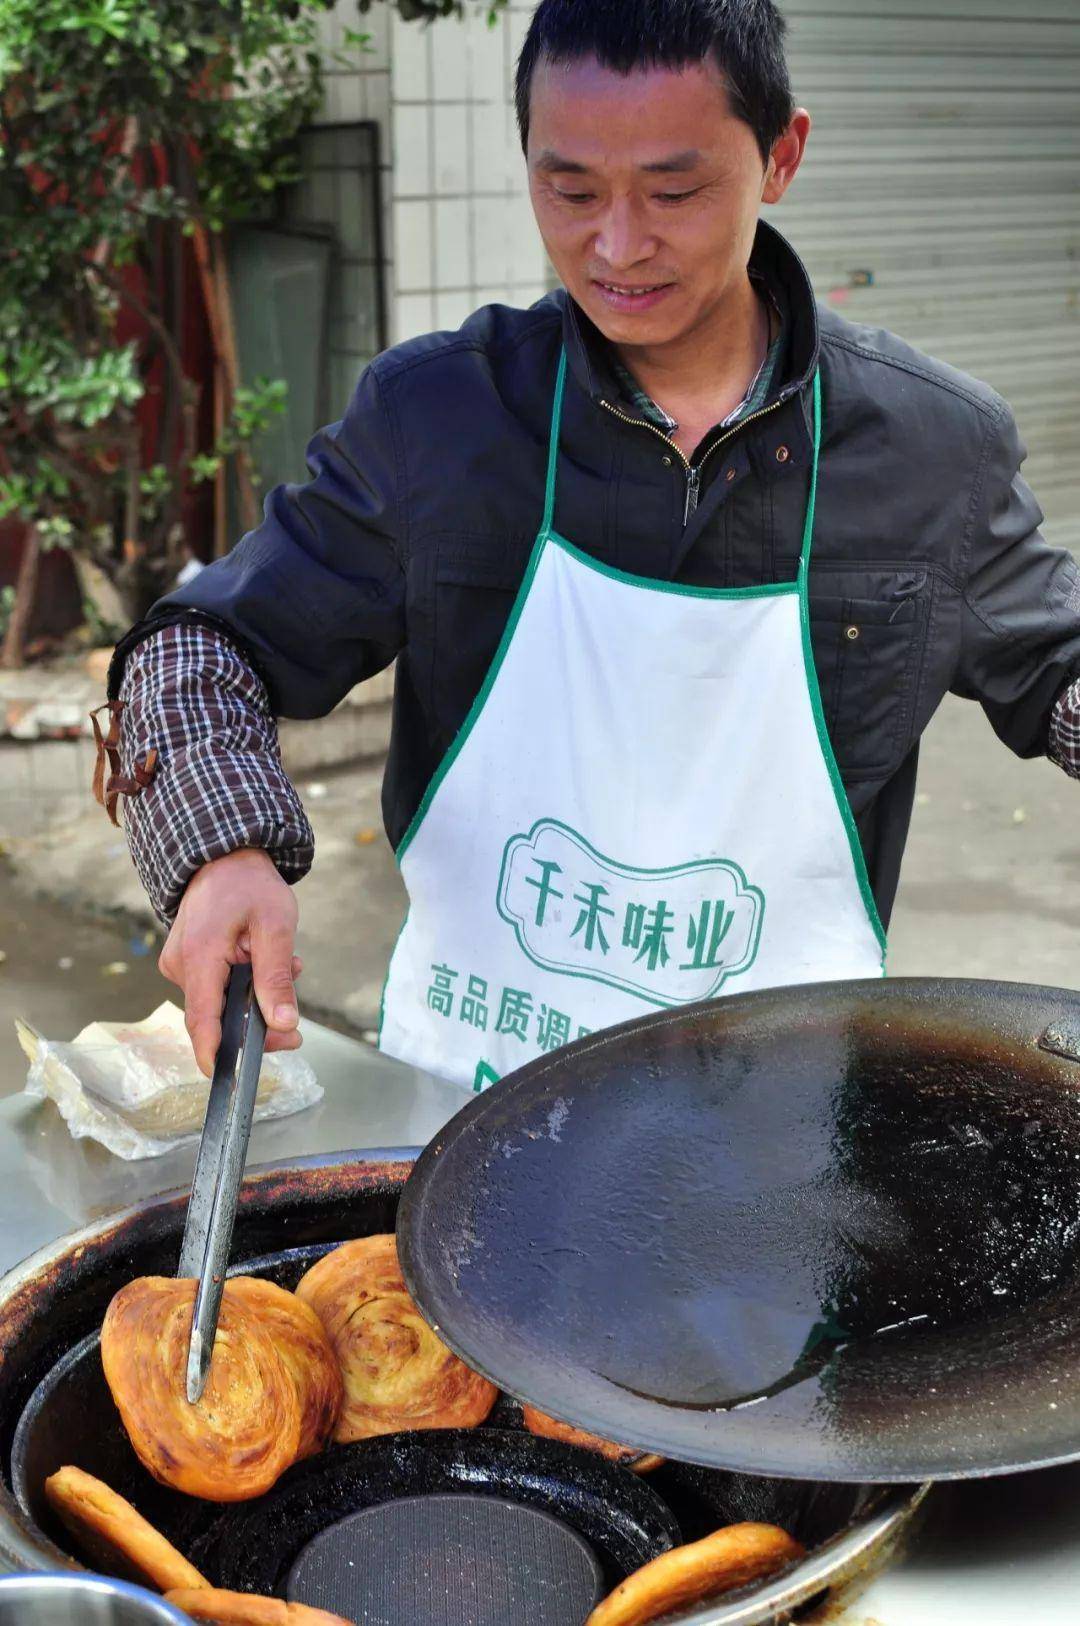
808, 528
553, 453
553, 445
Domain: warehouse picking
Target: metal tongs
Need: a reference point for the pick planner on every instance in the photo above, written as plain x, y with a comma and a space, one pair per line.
220, 1167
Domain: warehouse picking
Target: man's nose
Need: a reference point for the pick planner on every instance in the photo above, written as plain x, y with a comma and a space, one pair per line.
622, 239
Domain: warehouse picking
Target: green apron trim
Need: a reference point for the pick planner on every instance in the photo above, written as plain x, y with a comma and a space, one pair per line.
553, 444
458, 742
811, 501
484, 1076
858, 857
655, 585
481, 699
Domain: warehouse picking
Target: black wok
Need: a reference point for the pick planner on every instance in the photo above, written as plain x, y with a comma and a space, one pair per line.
828, 1232
54, 1408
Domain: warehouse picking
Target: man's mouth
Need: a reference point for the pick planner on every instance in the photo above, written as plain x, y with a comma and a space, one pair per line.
631, 296
631, 288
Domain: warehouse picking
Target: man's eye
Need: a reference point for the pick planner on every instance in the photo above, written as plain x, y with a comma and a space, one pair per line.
662, 197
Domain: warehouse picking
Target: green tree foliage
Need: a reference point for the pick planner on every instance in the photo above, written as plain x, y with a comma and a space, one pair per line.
126, 126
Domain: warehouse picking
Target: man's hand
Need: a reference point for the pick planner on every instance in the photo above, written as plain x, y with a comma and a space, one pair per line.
235, 910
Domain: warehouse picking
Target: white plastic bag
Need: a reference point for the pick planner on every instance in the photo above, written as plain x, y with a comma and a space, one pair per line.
135, 1087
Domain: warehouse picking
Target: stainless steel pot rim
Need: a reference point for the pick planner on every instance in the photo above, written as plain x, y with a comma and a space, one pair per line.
18, 1551
41, 1585
821, 1571
42, 1258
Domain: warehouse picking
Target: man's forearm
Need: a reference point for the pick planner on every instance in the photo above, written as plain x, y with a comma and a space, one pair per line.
219, 784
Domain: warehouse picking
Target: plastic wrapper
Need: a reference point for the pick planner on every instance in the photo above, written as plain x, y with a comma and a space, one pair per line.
135, 1088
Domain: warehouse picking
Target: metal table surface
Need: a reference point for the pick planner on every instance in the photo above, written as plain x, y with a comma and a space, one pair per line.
988, 1551
51, 1184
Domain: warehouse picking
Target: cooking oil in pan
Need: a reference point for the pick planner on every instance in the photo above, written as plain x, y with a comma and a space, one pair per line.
905, 1244
744, 1232
825, 1339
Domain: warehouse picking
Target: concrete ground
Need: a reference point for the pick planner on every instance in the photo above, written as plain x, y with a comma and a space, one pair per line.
991, 879
989, 890
60, 972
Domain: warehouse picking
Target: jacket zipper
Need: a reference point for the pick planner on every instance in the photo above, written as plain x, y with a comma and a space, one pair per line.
693, 470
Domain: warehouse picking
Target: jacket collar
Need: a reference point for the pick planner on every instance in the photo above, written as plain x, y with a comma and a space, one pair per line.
780, 268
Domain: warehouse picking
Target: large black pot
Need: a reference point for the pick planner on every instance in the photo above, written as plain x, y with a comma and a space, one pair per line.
55, 1301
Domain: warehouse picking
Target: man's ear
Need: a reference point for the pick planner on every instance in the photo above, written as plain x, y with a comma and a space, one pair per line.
785, 157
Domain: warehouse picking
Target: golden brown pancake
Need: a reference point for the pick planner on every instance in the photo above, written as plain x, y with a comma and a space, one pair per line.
302, 1344
398, 1375
114, 1536
538, 1422
240, 1437
729, 1558
245, 1609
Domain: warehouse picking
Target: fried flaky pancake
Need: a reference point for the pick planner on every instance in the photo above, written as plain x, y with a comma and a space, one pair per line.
538, 1422
303, 1345
729, 1558
245, 1609
114, 1536
398, 1374
244, 1432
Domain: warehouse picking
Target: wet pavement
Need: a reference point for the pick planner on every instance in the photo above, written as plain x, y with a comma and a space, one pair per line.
59, 972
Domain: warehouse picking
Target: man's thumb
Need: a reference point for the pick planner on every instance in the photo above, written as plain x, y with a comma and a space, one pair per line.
272, 968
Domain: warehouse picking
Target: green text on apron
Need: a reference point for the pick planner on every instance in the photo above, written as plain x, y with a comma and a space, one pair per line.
641, 809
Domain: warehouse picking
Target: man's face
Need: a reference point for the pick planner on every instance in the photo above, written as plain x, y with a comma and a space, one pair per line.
646, 189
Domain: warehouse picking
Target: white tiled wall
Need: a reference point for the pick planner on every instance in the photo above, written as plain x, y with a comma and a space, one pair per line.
413, 243
459, 231
412, 145
456, 157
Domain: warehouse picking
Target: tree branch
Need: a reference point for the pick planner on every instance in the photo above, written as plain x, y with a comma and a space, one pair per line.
12, 656
153, 322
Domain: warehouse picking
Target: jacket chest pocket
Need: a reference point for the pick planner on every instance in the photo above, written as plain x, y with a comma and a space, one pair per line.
868, 629
472, 590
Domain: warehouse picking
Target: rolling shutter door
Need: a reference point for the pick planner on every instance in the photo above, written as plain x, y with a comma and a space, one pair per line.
941, 197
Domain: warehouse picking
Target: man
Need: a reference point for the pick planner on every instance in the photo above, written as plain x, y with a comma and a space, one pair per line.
676, 566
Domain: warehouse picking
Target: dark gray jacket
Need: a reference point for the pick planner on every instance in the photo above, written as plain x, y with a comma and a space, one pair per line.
928, 571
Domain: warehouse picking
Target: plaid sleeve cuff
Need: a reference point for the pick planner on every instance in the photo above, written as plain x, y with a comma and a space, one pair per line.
1064, 743
219, 783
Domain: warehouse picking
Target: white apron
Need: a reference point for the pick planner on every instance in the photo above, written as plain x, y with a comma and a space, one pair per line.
641, 809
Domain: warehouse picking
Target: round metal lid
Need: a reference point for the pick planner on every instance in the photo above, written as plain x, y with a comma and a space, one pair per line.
827, 1232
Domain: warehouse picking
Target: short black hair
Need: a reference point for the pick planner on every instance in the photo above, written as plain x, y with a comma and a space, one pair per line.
744, 37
